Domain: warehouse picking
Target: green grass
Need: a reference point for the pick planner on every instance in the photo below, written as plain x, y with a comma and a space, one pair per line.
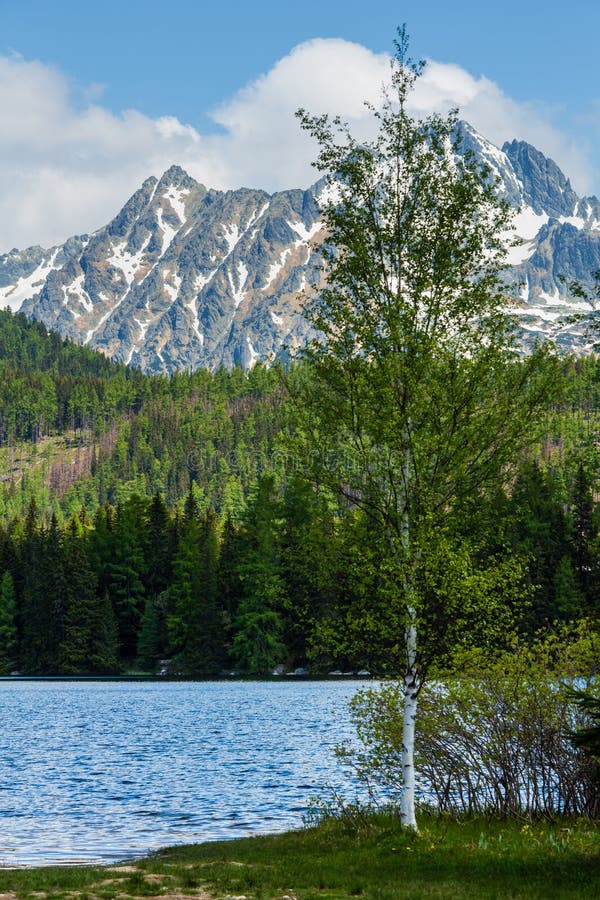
371, 859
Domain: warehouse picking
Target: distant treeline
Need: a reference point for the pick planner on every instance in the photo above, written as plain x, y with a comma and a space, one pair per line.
181, 530
291, 582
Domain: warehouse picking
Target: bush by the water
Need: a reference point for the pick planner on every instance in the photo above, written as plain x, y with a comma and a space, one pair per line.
495, 738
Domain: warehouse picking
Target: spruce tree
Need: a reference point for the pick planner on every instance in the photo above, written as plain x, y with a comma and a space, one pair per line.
159, 542
229, 584
184, 589
36, 603
126, 570
586, 520
149, 645
258, 631
305, 548
204, 645
89, 641
158, 547
8, 624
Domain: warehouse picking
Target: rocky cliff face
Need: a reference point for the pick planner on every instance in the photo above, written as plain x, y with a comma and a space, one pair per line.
182, 277
186, 277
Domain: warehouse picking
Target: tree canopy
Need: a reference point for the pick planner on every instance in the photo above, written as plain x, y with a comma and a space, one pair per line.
416, 398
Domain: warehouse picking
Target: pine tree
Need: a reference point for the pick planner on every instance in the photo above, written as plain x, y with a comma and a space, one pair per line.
149, 645
89, 643
190, 507
160, 543
195, 619
586, 520
258, 632
305, 548
101, 544
125, 573
8, 624
204, 646
567, 595
158, 547
55, 580
184, 588
540, 533
36, 603
229, 584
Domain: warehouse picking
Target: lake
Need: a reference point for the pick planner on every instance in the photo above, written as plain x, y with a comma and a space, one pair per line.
100, 771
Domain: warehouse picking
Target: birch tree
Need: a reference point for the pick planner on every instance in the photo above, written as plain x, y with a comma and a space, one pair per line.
415, 395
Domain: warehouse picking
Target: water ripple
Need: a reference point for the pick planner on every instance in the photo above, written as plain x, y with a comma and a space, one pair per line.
99, 771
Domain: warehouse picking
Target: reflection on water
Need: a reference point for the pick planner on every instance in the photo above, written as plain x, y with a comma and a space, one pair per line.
97, 771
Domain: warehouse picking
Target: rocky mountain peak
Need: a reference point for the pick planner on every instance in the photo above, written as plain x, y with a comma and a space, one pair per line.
185, 277
178, 177
545, 188
181, 277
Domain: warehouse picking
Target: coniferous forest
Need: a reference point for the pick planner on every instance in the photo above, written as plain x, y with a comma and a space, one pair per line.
162, 524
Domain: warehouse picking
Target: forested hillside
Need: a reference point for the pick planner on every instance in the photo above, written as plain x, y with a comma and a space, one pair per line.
87, 430
146, 519
48, 384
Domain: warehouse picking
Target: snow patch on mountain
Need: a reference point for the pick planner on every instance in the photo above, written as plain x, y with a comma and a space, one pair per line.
193, 308
576, 221
168, 232
543, 312
202, 280
275, 268
231, 232
257, 215
254, 355
238, 292
143, 327
520, 252
128, 263
527, 222
176, 199
76, 291
171, 284
305, 234
13, 295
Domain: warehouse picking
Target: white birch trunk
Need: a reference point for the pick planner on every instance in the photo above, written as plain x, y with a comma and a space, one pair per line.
407, 801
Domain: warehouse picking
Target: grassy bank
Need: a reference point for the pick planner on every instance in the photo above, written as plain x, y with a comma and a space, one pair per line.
335, 862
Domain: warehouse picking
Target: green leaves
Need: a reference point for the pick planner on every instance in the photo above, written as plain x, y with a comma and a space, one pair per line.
415, 397
492, 733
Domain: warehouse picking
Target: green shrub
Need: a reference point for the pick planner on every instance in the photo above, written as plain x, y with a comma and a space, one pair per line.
493, 739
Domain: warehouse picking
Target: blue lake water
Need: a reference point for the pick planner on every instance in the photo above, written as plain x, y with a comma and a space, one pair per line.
99, 771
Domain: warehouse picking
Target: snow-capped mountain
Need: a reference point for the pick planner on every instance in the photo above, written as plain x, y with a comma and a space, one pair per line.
186, 277
560, 234
182, 277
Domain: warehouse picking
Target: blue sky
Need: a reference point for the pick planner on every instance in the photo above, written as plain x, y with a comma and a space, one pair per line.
95, 97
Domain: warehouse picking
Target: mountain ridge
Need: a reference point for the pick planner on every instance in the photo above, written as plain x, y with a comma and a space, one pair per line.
185, 276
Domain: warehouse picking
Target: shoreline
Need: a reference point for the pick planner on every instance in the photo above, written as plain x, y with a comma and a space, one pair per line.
220, 679
340, 859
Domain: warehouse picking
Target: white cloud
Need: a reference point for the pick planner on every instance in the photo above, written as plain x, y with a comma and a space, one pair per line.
67, 168
263, 138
